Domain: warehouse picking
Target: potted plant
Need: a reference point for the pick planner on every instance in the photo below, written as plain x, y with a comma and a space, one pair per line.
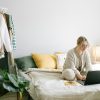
14, 83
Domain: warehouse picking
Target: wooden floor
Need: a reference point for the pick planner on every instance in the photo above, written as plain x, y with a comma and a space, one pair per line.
13, 96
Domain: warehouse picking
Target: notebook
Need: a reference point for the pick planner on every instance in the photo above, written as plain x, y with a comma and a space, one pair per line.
93, 77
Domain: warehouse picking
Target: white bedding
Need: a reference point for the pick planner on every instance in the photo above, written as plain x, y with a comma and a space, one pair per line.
50, 86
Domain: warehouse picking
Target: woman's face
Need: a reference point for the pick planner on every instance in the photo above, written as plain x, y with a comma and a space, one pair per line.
83, 46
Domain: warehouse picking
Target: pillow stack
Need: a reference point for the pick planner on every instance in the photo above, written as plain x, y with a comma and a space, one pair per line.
42, 61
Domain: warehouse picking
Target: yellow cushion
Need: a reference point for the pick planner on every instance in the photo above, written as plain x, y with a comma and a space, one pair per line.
44, 61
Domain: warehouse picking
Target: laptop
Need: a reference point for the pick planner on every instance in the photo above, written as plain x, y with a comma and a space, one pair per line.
93, 77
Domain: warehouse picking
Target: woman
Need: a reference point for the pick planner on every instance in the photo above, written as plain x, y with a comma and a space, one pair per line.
78, 59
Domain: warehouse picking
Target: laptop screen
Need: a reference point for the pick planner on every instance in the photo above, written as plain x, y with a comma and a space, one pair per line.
93, 77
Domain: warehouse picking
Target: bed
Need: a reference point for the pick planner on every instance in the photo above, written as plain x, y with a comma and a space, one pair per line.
49, 85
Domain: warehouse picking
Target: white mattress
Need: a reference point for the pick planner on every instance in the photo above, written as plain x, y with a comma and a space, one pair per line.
50, 86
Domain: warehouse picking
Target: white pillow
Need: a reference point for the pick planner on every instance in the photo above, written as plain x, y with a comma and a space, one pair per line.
60, 57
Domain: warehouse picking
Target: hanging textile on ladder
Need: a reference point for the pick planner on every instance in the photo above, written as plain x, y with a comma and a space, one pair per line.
7, 33
4, 35
11, 30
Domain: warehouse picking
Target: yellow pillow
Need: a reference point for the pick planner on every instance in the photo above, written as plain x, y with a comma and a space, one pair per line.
45, 61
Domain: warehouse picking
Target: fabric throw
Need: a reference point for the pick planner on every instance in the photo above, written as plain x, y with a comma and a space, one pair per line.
11, 30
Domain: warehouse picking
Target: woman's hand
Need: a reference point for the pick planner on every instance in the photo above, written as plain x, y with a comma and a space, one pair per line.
83, 77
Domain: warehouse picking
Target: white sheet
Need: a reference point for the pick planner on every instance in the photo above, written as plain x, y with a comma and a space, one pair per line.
50, 86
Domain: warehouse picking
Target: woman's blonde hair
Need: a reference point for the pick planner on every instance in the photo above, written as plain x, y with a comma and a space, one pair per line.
81, 39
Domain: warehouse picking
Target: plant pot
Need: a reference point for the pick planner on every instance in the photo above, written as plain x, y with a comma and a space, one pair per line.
19, 96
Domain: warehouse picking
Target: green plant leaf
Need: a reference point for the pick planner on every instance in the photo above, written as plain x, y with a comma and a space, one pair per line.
23, 83
12, 82
1, 78
13, 79
9, 87
3, 73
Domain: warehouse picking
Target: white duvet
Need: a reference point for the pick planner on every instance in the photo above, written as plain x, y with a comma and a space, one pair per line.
50, 86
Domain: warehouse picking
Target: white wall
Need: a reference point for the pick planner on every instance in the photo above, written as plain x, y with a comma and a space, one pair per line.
46, 26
